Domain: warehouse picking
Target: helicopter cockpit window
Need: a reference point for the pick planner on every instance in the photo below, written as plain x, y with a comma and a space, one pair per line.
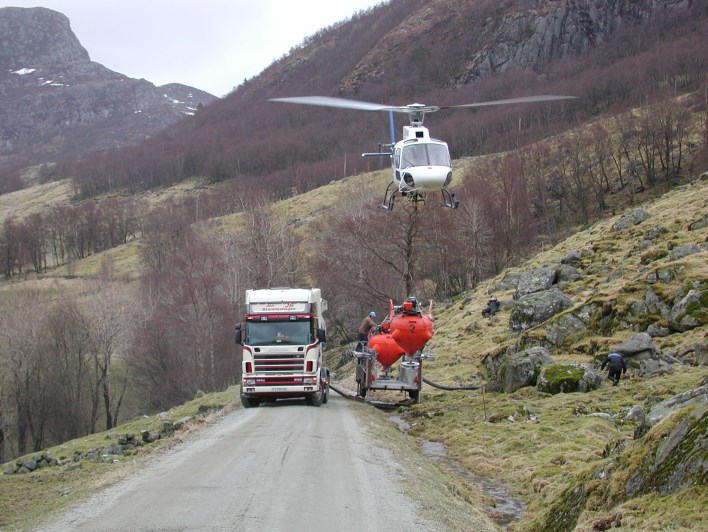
438, 154
426, 154
414, 155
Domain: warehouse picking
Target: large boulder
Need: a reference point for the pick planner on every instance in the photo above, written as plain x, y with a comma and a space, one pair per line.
567, 378
512, 371
564, 329
535, 281
533, 309
683, 251
634, 218
642, 357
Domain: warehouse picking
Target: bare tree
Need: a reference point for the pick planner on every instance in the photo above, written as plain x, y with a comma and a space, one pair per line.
268, 246
22, 369
111, 311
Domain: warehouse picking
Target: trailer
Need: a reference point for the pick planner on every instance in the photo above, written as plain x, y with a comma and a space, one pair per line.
402, 335
368, 377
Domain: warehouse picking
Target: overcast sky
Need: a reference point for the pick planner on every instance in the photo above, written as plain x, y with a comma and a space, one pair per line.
212, 45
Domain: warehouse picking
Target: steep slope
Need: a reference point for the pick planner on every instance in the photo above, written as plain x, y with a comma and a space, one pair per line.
57, 103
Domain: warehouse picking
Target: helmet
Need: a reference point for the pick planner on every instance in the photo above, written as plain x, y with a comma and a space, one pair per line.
372, 314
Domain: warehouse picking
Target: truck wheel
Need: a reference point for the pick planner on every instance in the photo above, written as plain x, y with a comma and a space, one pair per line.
315, 400
249, 402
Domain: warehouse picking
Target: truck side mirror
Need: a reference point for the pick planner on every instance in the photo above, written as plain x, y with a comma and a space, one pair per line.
321, 335
238, 333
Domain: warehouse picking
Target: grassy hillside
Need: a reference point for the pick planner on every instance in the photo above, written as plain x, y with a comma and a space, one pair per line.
538, 443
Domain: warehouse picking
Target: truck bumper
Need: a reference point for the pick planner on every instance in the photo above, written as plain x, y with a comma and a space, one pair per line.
279, 390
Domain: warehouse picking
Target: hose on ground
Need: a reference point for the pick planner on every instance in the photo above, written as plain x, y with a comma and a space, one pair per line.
450, 388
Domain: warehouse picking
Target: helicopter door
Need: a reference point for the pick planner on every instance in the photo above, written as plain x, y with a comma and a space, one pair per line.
397, 164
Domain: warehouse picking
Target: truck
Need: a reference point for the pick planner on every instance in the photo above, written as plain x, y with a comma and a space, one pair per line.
283, 334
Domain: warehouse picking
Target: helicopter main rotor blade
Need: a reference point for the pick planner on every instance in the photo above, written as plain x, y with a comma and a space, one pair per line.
343, 103
524, 99
328, 101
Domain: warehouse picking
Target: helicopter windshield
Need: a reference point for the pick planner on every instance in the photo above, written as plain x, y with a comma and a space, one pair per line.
425, 154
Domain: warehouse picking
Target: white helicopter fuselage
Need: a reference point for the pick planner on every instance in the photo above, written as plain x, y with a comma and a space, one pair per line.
419, 163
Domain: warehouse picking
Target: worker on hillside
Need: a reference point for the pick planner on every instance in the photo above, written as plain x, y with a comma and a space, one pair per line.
365, 327
492, 307
616, 366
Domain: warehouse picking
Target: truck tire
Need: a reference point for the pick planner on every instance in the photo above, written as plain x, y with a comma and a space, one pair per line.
249, 402
315, 400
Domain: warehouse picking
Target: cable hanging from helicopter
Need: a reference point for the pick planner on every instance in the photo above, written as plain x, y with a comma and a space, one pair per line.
419, 163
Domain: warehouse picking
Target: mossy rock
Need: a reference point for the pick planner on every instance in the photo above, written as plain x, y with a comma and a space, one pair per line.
567, 378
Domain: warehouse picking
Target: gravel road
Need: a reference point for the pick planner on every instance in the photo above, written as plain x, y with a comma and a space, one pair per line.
281, 466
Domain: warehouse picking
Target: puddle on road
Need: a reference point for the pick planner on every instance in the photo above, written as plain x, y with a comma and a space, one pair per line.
506, 508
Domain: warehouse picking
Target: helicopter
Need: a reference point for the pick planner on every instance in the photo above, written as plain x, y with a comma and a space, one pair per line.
420, 163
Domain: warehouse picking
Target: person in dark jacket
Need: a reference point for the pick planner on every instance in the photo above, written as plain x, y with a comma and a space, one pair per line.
365, 327
616, 367
492, 307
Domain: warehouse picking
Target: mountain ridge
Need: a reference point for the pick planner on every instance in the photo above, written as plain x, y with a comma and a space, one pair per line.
61, 104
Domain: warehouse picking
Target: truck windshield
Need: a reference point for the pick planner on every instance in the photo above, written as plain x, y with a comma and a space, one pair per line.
278, 333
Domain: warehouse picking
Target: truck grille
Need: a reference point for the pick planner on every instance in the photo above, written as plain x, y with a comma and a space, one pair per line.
279, 363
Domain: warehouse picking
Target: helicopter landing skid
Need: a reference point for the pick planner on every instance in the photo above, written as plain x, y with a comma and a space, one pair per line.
388, 204
449, 199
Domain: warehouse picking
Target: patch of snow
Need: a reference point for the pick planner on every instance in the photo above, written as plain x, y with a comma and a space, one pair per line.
23, 71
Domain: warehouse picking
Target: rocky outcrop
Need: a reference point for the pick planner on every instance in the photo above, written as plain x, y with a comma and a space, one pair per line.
533, 38
670, 458
57, 103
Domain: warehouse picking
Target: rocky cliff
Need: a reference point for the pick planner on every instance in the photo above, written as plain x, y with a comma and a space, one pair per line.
57, 103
